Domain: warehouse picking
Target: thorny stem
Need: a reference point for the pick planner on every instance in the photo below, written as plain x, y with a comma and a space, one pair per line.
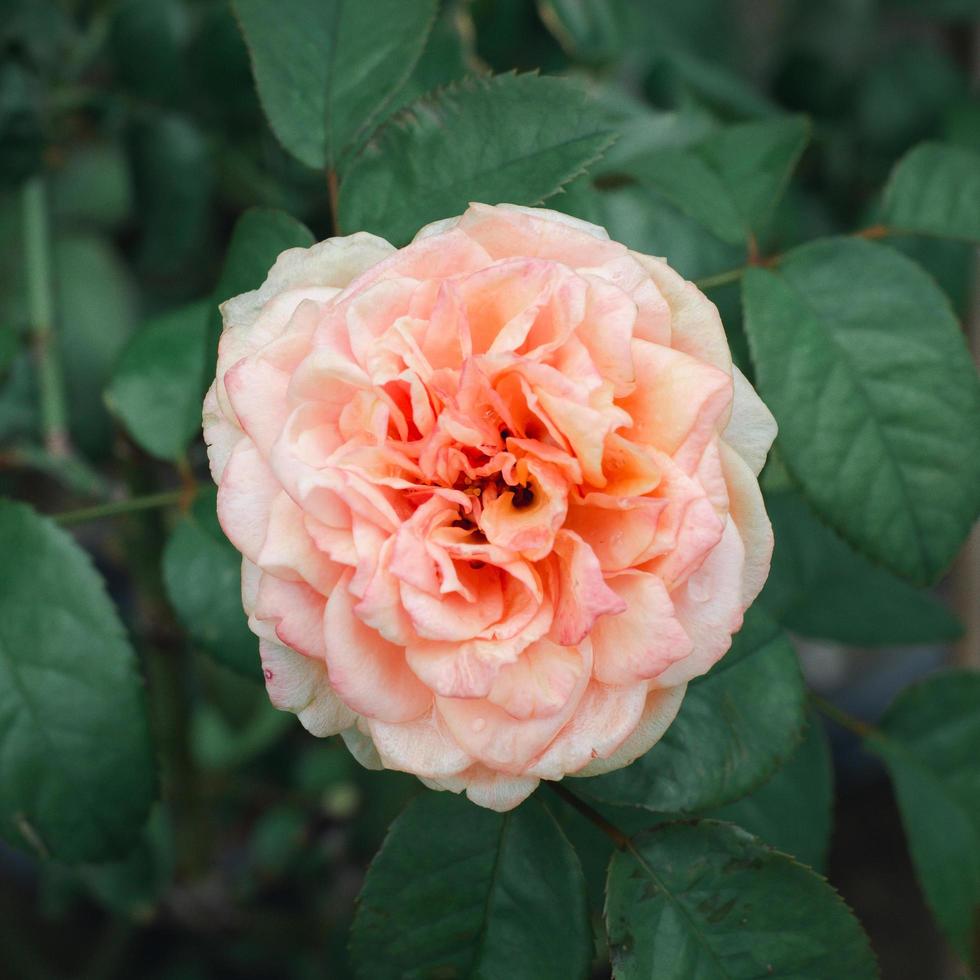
167, 498
40, 304
620, 839
756, 261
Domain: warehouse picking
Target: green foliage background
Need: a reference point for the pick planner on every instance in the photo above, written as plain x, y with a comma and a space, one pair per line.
815, 167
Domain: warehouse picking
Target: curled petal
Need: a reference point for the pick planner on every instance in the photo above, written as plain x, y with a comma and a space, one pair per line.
299, 684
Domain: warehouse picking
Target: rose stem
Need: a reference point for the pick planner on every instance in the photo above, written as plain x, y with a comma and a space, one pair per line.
731, 275
40, 304
165, 499
860, 728
620, 839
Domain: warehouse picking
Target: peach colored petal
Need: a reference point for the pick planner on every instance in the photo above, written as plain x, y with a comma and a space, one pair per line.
539, 682
583, 595
605, 718
496, 738
246, 494
299, 684
295, 611
367, 672
751, 429
748, 511
679, 403
696, 327
484, 787
423, 745
660, 709
709, 607
643, 640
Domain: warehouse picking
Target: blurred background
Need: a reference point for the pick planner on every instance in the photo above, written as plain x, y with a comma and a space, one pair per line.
142, 118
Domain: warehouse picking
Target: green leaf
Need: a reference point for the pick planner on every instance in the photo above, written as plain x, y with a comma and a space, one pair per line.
737, 724
78, 775
792, 811
930, 741
457, 891
93, 187
820, 587
173, 177
324, 69
95, 302
588, 31
935, 190
708, 900
146, 43
513, 138
731, 181
448, 56
259, 236
133, 885
860, 358
202, 575
156, 388
717, 85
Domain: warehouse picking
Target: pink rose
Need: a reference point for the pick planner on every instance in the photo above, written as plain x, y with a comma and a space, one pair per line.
495, 492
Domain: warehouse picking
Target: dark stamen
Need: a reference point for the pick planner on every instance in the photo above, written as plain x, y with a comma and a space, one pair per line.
523, 497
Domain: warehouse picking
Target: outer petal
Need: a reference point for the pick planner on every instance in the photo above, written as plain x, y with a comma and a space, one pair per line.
605, 718
748, 511
751, 429
299, 684
710, 607
423, 746
696, 327
662, 705
484, 787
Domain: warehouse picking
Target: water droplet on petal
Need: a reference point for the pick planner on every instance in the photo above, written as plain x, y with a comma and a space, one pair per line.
479, 724
268, 674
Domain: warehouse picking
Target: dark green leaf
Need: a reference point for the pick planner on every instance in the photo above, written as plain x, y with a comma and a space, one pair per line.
95, 300
731, 181
325, 68
202, 574
737, 724
146, 42
588, 31
448, 57
935, 190
820, 587
862, 362
792, 811
708, 900
78, 777
172, 169
156, 388
513, 138
942, 9
646, 221
133, 885
930, 741
459, 891
93, 187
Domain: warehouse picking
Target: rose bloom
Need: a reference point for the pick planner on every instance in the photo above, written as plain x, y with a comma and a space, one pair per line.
495, 492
